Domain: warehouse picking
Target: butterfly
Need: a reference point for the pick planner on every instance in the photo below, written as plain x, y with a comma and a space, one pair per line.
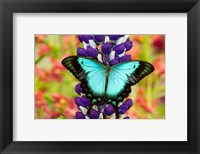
106, 83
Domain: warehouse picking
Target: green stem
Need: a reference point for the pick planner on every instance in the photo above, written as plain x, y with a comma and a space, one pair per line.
42, 57
39, 59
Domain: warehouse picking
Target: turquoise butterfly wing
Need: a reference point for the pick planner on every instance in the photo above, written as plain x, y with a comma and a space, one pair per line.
122, 76
92, 75
111, 83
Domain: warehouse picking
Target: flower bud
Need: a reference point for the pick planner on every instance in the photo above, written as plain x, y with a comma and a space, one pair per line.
91, 52
79, 101
125, 58
78, 88
125, 106
80, 115
128, 102
109, 110
119, 48
113, 37
128, 45
81, 52
123, 109
99, 38
106, 48
85, 38
93, 114
85, 101
114, 61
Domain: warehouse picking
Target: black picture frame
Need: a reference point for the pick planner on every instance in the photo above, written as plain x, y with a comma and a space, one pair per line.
8, 7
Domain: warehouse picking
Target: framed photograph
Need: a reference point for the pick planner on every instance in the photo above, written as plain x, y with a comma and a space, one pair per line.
99, 76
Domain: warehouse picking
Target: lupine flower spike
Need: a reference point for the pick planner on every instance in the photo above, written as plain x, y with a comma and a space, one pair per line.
110, 49
95, 64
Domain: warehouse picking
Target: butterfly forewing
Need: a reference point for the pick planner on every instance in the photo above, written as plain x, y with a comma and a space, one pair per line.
91, 73
123, 75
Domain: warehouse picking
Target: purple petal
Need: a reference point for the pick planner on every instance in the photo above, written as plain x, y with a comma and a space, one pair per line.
85, 38
85, 101
113, 37
93, 114
80, 37
119, 48
99, 38
79, 101
109, 110
106, 48
114, 61
78, 88
125, 106
80, 115
125, 58
81, 52
128, 45
128, 102
91, 52
123, 109
127, 117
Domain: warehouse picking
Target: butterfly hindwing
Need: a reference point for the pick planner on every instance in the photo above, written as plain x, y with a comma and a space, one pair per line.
91, 73
123, 75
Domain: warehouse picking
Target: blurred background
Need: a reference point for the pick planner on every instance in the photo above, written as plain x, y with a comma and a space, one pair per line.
54, 85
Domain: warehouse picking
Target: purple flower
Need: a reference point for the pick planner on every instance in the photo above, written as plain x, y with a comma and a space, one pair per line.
119, 48
82, 101
99, 38
128, 102
81, 52
91, 52
80, 115
125, 58
109, 110
85, 101
78, 88
128, 45
123, 109
113, 37
114, 61
78, 101
85, 38
125, 106
93, 114
106, 48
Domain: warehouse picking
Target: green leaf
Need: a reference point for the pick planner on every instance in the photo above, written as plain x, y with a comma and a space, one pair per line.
49, 100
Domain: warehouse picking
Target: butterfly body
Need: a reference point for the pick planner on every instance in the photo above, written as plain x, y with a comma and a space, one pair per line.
106, 83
